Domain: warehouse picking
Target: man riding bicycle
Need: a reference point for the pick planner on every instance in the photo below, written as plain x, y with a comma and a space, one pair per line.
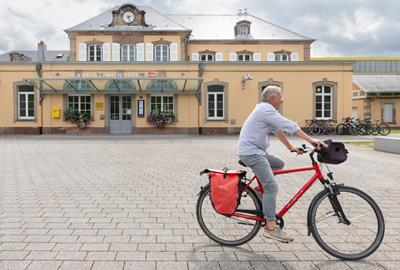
252, 147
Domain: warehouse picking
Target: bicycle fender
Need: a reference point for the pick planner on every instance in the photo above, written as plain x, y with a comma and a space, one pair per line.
202, 188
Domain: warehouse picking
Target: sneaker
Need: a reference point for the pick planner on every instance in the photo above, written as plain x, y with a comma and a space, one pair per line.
278, 234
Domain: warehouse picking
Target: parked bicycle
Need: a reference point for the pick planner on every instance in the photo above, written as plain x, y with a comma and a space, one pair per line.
344, 221
320, 127
349, 126
369, 128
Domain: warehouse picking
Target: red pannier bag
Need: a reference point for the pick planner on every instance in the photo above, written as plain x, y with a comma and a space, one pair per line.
225, 190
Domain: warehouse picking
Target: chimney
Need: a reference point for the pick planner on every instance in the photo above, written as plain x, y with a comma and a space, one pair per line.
42, 48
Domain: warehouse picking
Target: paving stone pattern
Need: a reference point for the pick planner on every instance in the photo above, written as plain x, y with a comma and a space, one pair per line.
128, 202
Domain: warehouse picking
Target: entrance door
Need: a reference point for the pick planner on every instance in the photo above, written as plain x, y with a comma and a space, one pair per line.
120, 114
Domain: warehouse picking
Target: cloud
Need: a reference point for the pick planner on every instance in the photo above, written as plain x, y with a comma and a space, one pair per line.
341, 27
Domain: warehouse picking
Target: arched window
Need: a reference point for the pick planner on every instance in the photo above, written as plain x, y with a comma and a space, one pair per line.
323, 102
324, 93
120, 85
78, 85
162, 84
26, 102
215, 102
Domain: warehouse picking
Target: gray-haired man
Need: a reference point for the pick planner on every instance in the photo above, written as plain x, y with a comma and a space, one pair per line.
253, 143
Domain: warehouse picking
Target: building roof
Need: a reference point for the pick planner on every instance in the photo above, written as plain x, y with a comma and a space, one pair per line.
371, 65
221, 27
32, 55
203, 26
378, 83
155, 21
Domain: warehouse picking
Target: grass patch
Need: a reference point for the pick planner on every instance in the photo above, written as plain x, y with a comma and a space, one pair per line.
395, 130
363, 144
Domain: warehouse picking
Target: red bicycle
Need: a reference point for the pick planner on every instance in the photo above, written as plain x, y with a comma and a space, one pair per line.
344, 221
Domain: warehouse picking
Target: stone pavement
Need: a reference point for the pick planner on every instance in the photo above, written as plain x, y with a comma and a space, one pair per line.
128, 202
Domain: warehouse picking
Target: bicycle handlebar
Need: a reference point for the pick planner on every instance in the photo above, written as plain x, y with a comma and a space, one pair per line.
305, 149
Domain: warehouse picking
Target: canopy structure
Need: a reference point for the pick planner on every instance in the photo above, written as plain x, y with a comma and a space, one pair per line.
113, 85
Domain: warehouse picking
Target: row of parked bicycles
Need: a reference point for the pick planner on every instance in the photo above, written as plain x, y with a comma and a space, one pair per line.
349, 126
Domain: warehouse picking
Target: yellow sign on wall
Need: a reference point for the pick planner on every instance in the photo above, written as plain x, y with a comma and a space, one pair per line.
99, 105
56, 113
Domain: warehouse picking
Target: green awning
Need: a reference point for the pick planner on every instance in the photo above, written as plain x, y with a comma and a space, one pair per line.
108, 85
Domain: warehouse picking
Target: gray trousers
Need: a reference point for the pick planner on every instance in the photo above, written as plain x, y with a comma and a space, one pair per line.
262, 167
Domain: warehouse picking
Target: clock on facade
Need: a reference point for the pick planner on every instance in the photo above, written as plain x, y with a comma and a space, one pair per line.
128, 17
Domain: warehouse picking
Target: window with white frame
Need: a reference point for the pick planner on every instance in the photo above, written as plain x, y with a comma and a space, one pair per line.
207, 57
26, 102
161, 52
128, 52
244, 57
215, 102
162, 104
80, 103
388, 114
323, 102
243, 30
94, 52
282, 57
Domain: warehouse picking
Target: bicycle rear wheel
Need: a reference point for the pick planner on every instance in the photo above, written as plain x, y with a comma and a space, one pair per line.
352, 240
229, 231
384, 129
315, 129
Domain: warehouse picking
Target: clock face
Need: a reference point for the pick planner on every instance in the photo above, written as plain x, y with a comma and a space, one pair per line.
128, 17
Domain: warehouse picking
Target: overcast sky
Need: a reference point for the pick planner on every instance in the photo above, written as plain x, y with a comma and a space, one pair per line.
342, 27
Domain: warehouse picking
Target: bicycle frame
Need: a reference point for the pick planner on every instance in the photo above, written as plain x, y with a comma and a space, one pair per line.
317, 176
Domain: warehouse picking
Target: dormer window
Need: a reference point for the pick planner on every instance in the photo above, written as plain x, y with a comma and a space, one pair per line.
242, 29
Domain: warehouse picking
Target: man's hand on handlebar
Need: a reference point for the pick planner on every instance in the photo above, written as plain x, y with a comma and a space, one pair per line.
298, 151
317, 143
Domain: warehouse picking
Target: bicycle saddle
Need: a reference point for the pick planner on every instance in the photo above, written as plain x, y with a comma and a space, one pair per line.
241, 163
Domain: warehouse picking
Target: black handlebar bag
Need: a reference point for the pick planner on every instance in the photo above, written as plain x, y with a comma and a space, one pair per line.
334, 153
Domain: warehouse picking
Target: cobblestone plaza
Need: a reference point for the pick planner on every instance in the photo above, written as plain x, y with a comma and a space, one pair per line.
128, 202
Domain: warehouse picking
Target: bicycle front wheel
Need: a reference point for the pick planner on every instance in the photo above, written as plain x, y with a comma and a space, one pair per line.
228, 231
352, 233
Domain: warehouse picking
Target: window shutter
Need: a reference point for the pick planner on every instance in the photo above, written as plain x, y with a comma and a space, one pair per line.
271, 57
116, 52
232, 57
149, 51
140, 52
82, 52
294, 56
106, 52
219, 56
257, 57
173, 52
195, 57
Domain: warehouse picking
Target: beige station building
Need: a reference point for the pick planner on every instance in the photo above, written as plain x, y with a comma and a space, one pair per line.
208, 70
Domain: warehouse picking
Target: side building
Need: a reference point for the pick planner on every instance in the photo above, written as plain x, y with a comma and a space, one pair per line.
208, 70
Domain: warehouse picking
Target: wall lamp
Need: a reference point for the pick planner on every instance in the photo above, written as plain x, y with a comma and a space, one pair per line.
245, 78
